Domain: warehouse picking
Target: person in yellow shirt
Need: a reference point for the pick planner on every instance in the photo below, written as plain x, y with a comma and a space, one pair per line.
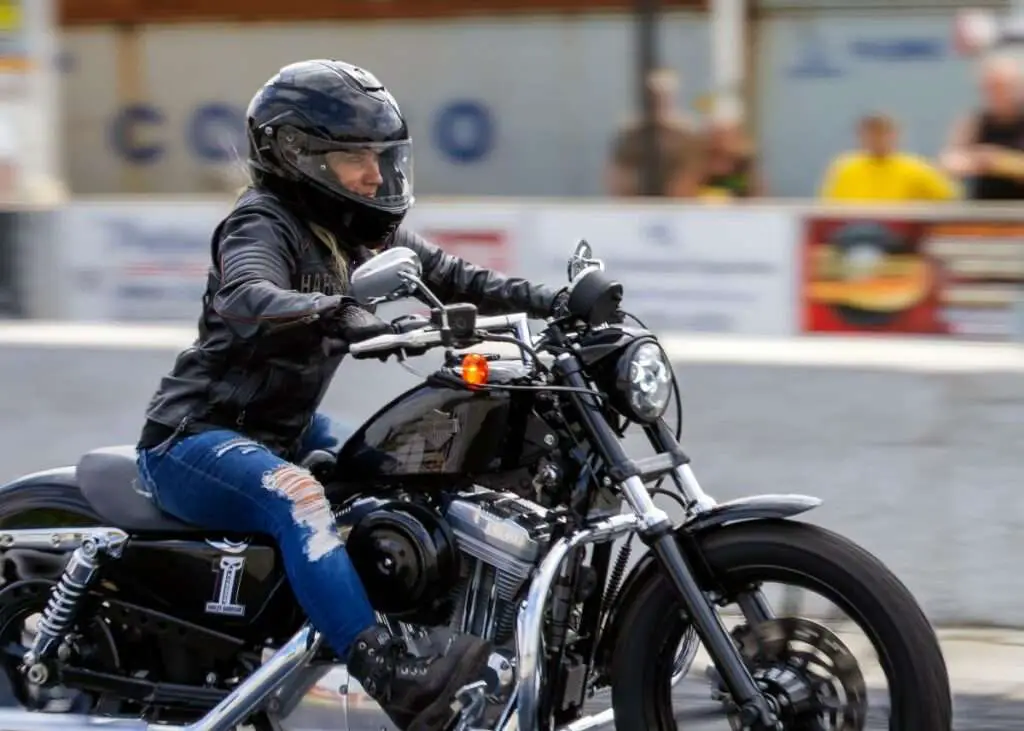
879, 172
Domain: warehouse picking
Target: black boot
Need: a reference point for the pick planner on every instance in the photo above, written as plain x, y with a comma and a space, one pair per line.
415, 692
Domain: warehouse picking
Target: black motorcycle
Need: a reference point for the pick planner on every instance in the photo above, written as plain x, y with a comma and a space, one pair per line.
487, 499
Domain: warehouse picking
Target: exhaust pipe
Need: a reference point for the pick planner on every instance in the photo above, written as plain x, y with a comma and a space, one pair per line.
11, 720
225, 716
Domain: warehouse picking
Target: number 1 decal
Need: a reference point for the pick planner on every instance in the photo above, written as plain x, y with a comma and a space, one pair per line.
225, 592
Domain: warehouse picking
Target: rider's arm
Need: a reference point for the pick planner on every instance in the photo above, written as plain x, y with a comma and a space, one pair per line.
455, 280
256, 258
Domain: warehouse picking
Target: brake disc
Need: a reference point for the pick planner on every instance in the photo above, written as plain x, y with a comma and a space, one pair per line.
812, 676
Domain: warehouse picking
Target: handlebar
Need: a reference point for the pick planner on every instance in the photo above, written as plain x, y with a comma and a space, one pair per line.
429, 337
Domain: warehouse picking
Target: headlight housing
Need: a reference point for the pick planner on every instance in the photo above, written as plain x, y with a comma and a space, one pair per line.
643, 382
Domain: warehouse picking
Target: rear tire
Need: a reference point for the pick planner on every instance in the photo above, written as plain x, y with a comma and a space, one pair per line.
800, 555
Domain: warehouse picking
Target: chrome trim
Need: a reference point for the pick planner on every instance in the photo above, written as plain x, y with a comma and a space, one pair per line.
591, 722
522, 328
81, 570
225, 546
292, 692
508, 720
652, 518
64, 539
530, 621
685, 655
278, 670
699, 500
31, 721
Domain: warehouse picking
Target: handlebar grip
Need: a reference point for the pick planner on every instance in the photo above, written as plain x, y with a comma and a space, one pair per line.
419, 338
372, 345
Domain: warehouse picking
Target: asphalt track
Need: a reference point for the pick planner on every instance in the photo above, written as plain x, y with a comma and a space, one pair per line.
973, 713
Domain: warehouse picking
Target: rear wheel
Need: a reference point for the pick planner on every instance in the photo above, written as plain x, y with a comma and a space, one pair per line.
92, 647
746, 555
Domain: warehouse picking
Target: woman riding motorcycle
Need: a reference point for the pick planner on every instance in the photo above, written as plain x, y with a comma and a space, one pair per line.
331, 165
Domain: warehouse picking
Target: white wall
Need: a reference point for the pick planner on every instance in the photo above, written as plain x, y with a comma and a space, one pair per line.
556, 89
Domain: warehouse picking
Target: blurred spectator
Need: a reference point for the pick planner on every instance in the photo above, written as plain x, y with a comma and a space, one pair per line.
9, 182
677, 145
880, 172
985, 147
729, 161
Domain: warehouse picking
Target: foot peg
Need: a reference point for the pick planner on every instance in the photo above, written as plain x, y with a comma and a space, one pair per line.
468, 707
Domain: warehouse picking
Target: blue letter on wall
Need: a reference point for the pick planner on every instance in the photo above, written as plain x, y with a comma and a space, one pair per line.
123, 133
464, 131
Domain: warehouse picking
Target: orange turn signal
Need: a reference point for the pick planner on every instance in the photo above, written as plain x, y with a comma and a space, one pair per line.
475, 369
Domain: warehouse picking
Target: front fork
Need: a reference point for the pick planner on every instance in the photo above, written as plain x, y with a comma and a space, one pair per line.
656, 529
658, 533
753, 603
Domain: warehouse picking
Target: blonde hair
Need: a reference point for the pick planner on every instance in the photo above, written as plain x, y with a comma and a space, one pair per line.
329, 240
340, 261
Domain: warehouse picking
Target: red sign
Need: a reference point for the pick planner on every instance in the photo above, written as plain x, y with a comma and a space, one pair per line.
913, 276
488, 248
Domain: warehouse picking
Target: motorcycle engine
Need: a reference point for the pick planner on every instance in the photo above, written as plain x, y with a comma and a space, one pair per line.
465, 569
501, 537
405, 555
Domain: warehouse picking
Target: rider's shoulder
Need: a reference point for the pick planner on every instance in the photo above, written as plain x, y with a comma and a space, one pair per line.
407, 236
265, 209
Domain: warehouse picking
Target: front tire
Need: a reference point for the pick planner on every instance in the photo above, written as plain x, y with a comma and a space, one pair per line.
802, 555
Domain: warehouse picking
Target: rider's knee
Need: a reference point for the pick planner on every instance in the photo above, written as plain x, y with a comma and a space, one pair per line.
308, 508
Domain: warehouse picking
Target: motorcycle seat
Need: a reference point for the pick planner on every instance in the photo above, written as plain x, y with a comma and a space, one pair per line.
109, 480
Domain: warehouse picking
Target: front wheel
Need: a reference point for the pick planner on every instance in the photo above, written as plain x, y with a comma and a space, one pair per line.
746, 555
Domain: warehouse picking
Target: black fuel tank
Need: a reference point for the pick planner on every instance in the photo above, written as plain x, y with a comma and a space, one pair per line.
430, 431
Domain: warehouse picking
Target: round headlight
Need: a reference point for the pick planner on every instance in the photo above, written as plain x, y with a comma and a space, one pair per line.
645, 381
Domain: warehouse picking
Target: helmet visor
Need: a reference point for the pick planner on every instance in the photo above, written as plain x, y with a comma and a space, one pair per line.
378, 174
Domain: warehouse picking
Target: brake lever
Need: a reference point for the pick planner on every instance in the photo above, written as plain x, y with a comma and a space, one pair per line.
407, 323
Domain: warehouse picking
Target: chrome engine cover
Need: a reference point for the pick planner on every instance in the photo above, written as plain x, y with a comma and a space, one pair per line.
505, 537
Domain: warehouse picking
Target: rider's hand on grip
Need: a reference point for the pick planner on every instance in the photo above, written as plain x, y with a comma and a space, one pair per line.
353, 324
560, 306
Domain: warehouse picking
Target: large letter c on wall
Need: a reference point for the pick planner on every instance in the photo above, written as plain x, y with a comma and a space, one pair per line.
124, 138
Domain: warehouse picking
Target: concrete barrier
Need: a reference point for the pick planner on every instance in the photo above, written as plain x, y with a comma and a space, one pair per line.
917, 447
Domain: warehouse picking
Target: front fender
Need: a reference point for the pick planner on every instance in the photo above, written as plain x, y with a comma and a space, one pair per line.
758, 507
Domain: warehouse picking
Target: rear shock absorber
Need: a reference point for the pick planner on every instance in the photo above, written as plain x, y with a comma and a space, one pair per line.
65, 601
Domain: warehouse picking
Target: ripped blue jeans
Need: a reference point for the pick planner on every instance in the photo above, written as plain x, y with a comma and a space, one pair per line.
223, 480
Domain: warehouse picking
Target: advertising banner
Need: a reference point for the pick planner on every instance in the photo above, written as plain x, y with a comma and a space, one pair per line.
914, 276
136, 260
147, 260
487, 234
716, 270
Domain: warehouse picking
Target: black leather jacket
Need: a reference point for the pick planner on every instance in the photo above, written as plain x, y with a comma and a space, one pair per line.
270, 269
